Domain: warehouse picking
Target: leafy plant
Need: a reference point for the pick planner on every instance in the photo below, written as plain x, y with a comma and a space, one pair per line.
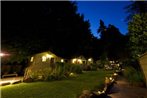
133, 75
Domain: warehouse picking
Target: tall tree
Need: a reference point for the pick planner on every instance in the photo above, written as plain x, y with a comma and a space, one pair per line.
137, 26
33, 27
138, 35
102, 30
112, 41
136, 7
137, 11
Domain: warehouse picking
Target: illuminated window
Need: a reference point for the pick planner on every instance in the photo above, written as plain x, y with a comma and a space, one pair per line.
32, 58
43, 58
74, 60
62, 60
79, 61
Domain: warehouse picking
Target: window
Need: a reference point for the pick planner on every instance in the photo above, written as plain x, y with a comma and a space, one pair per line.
43, 58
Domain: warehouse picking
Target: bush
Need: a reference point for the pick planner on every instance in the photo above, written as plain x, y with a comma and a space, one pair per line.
75, 68
94, 67
35, 75
133, 75
59, 71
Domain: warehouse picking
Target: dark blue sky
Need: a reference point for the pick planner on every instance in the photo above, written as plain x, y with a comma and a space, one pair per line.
111, 12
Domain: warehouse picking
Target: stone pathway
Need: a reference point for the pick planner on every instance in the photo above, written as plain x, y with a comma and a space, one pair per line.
123, 90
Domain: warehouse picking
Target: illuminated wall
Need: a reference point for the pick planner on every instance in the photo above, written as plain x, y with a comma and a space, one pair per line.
143, 64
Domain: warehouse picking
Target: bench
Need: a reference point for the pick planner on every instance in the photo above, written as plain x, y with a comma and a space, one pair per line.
10, 75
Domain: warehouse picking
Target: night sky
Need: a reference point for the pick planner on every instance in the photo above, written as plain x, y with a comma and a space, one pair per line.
111, 12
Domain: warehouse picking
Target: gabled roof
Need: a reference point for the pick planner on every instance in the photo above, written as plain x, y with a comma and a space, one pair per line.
47, 52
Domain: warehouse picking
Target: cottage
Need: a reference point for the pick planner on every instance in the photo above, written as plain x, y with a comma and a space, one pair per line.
40, 63
79, 60
44, 58
82, 60
143, 64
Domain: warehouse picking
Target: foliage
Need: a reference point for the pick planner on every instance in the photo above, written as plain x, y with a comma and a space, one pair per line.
136, 7
138, 35
75, 68
68, 88
104, 59
58, 72
133, 75
94, 66
113, 43
28, 30
137, 20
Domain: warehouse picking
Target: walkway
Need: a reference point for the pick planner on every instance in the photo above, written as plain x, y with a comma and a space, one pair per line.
123, 90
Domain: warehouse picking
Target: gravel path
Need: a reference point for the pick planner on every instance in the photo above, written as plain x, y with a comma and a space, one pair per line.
123, 90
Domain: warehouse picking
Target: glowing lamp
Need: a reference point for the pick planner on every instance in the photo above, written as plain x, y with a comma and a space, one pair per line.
99, 92
115, 74
90, 60
110, 78
2, 54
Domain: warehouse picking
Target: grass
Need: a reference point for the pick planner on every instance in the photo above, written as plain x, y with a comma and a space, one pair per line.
56, 89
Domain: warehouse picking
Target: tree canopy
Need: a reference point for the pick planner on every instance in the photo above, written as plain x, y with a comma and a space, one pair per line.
113, 42
32, 27
137, 27
137, 31
138, 35
136, 7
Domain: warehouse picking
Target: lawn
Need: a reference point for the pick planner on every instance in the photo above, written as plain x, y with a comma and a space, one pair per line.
56, 89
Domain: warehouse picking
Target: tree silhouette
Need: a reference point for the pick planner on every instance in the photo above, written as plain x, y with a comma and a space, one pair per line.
136, 7
137, 30
32, 27
112, 41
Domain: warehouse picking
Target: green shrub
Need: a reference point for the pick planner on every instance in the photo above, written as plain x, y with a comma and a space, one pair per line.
63, 70
59, 71
75, 68
133, 75
37, 74
94, 67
